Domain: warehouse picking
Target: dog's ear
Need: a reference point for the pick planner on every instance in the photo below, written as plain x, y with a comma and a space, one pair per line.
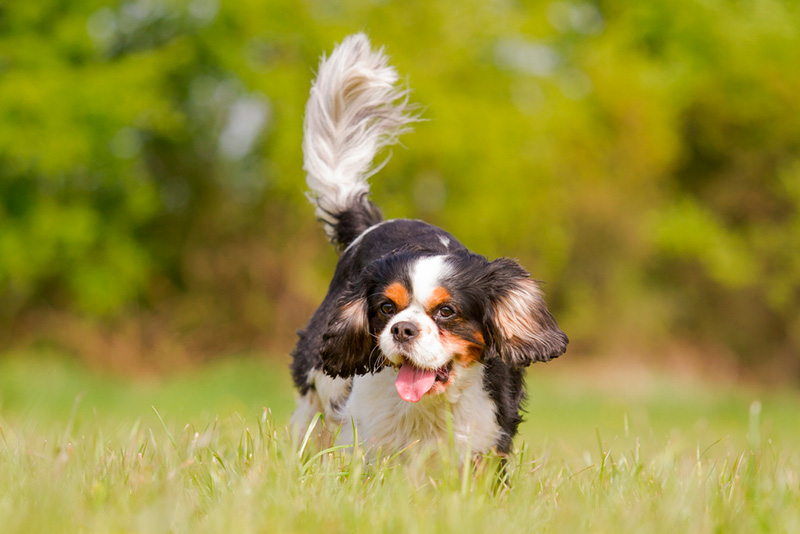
347, 343
520, 328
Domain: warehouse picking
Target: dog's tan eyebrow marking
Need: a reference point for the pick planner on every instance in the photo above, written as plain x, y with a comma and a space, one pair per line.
439, 296
398, 294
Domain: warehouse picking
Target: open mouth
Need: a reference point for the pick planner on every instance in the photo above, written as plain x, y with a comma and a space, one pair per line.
443, 373
413, 382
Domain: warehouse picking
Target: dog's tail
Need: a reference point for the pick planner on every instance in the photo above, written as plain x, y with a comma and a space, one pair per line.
355, 109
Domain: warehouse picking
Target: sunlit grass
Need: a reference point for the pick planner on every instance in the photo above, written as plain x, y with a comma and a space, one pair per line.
206, 453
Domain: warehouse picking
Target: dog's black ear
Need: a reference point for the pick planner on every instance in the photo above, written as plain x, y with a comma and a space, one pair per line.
520, 327
347, 343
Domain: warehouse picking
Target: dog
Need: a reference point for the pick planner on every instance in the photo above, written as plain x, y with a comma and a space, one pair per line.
418, 339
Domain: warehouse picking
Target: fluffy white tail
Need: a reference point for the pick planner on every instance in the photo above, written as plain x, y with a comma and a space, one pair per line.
355, 109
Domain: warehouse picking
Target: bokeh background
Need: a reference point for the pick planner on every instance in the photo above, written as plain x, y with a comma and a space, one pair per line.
642, 158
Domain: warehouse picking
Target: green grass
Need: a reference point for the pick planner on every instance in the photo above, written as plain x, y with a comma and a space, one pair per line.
208, 451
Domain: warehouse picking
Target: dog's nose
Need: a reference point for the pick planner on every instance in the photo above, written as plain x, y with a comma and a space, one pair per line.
404, 331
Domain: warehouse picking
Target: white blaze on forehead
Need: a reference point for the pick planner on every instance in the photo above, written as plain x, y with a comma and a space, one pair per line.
426, 275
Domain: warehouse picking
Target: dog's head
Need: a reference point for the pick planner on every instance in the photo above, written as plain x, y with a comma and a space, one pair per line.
432, 316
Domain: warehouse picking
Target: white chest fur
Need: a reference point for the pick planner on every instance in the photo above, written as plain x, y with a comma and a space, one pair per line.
385, 421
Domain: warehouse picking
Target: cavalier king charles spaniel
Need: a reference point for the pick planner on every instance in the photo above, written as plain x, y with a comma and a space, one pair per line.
417, 338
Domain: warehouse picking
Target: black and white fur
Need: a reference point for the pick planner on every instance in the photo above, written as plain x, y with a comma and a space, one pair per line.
476, 323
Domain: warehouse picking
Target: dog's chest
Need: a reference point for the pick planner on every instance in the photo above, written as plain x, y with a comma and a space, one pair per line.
385, 421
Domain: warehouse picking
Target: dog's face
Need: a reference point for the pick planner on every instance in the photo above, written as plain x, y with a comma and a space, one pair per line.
431, 316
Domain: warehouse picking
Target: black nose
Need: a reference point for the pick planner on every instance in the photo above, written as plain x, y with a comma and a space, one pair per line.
404, 331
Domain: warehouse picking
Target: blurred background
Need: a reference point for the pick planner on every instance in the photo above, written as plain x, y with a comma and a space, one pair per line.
642, 158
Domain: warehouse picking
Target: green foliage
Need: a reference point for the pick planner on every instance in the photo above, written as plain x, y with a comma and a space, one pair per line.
642, 157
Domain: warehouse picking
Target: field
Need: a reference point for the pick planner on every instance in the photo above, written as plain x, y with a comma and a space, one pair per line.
208, 451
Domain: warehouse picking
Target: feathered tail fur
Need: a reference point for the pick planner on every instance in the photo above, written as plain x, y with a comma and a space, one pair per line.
355, 109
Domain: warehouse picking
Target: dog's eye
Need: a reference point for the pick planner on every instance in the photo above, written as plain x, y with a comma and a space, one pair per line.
387, 308
446, 312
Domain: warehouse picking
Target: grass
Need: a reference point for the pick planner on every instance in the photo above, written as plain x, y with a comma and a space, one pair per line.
209, 452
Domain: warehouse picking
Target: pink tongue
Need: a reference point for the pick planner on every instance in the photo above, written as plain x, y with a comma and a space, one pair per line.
412, 383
